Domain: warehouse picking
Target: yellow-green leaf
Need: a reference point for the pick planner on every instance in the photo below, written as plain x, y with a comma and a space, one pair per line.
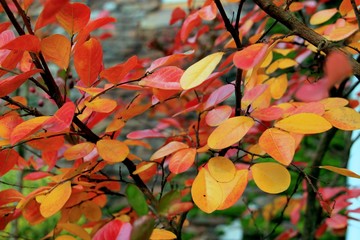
162, 234
197, 73
229, 132
233, 190
206, 192
221, 169
278, 144
304, 123
271, 177
55, 199
112, 150
343, 118
341, 171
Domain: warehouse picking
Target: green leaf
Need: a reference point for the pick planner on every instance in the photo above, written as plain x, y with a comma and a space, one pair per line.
167, 200
142, 228
136, 200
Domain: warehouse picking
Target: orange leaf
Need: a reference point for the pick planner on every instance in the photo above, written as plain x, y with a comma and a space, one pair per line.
233, 190
334, 102
182, 160
168, 149
278, 144
112, 150
221, 169
73, 17
25, 42
10, 84
102, 105
78, 151
27, 128
91, 210
115, 125
304, 123
197, 73
75, 229
88, 61
334, 73
10, 196
118, 72
8, 123
322, 16
250, 56
341, 171
206, 192
62, 118
229, 132
164, 78
55, 199
56, 48
343, 118
162, 234
271, 177
47, 15
9, 158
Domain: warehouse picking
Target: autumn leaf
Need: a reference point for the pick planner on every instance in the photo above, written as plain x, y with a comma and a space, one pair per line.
73, 17
304, 123
229, 132
168, 149
322, 16
218, 115
55, 199
164, 78
206, 192
278, 144
102, 105
118, 72
248, 57
56, 48
75, 229
91, 211
192, 21
197, 73
27, 128
162, 234
112, 150
47, 15
343, 118
88, 61
271, 177
341, 171
61, 120
334, 73
182, 160
113, 230
221, 169
79, 150
25, 42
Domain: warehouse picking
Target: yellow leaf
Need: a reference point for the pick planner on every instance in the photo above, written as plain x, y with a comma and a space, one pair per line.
162, 234
55, 199
221, 169
343, 118
233, 190
334, 102
322, 16
144, 167
304, 123
197, 73
75, 229
278, 144
206, 192
112, 150
279, 86
91, 211
229, 132
102, 105
168, 149
65, 237
341, 171
78, 151
286, 63
271, 177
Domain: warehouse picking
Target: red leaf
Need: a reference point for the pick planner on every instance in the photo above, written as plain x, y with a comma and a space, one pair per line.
176, 15
5, 37
26, 42
337, 67
10, 84
310, 92
61, 119
337, 221
268, 114
118, 72
169, 60
91, 26
115, 229
148, 133
26, 128
4, 26
73, 17
167, 78
208, 12
11, 60
10, 196
9, 158
51, 7
36, 176
88, 61
250, 56
189, 24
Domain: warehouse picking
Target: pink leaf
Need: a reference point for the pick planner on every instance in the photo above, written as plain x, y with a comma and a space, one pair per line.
115, 229
219, 95
147, 133
337, 67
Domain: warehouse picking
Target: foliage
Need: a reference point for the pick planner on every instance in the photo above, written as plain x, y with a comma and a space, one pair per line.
230, 116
